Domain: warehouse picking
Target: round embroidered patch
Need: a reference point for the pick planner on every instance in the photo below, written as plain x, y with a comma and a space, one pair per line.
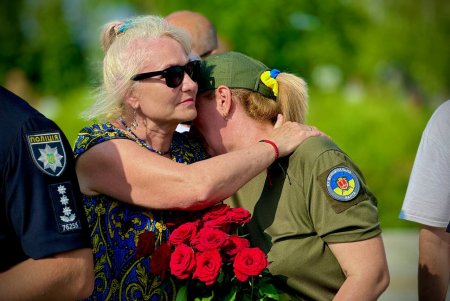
342, 184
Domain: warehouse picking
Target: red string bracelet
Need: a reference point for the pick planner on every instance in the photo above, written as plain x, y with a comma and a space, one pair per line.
275, 147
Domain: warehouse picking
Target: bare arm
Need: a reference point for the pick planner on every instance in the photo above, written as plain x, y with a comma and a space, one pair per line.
66, 276
125, 171
434, 263
365, 266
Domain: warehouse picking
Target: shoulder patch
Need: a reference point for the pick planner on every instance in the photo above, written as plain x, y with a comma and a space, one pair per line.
342, 184
47, 152
64, 207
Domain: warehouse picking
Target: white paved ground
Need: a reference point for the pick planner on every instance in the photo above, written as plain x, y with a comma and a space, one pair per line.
402, 255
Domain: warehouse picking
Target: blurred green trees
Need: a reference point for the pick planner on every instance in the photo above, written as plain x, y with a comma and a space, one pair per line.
375, 69
402, 42
38, 40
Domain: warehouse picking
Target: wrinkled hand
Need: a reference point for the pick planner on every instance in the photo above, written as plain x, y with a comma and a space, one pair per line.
288, 135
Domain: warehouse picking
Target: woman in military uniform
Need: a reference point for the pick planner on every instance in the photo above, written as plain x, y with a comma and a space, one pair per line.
312, 211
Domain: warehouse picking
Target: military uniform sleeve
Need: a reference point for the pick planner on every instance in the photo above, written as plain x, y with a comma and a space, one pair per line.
42, 194
342, 207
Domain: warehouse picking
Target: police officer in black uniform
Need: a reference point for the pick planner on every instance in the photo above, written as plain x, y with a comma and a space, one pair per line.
44, 245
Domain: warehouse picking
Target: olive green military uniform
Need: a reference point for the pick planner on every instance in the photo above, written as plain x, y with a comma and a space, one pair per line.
314, 197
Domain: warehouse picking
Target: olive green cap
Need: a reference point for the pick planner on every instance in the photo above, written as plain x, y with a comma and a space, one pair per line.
234, 70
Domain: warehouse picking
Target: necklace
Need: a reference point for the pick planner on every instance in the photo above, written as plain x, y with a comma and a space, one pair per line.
142, 141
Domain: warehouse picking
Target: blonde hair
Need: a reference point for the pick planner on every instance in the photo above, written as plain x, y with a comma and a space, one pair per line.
123, 59
292, 100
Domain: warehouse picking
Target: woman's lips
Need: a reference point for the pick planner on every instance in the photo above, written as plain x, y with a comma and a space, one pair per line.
188, 101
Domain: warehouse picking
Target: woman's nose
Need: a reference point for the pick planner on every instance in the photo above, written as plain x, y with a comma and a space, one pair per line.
188, 83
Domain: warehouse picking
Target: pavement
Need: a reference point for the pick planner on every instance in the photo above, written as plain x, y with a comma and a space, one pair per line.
402, 255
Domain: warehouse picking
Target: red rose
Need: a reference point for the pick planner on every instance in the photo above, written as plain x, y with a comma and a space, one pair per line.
208, 266
238, 216
160, 261
249, 262
145, 245
209, 239
220, 223
182, 261
215, 212
234, 244
183, 234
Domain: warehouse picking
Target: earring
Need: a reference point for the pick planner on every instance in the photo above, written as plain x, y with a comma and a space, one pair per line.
225, 117
134, 123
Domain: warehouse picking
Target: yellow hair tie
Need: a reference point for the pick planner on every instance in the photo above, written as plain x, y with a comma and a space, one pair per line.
268, 79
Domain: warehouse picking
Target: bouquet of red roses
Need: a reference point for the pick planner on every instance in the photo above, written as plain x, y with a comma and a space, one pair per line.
211, 262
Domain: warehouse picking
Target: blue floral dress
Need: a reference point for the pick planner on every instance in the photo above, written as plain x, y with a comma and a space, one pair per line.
115, 227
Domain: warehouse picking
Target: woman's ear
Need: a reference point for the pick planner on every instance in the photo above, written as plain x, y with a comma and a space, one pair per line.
131, 99
224, 101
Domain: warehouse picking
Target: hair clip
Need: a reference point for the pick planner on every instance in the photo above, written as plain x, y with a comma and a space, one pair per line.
269, 79
125, 26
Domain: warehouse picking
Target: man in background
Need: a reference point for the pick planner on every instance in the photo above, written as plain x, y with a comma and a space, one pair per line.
427, 202
203, 33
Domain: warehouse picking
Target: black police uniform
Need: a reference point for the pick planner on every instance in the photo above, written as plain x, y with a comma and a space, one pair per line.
40, 201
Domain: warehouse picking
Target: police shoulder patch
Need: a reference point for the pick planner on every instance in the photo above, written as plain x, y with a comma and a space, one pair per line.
342, 184
47, 152
64, 207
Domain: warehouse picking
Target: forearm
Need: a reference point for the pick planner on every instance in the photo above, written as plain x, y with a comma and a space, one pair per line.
434, 263
69, 277
204, 183
361, 288
223, 175
153, 182
365, 267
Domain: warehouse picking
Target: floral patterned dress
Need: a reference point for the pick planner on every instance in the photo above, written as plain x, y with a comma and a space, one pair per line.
115, 227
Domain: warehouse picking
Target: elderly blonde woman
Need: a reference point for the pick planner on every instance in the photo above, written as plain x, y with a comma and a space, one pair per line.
128, 162
312, 211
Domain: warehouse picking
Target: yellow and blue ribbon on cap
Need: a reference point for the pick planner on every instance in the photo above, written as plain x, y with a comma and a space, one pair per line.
269, 79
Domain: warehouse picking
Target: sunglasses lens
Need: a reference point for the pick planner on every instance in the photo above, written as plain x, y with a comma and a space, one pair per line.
192, 69
174, 76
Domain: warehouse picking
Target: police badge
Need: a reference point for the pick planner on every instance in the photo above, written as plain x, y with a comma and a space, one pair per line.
48, 152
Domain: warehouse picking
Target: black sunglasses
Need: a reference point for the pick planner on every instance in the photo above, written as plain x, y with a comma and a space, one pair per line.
174, 75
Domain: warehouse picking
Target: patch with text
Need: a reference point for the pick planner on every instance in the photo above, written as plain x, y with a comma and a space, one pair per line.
342, 184
47, 151
63, 200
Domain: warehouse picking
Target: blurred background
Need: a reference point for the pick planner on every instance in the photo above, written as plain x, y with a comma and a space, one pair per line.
376, 69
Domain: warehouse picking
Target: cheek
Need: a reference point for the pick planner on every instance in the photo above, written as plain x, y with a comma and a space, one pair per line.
204, 123
203, 114
201, 121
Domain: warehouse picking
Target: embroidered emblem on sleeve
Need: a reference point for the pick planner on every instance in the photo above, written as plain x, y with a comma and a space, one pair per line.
64, 207
48, 152
342, 184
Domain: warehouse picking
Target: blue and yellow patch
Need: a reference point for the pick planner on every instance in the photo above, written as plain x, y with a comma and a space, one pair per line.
47, 151
342, 184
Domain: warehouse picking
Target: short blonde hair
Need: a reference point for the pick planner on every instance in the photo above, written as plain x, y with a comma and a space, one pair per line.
122, 61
